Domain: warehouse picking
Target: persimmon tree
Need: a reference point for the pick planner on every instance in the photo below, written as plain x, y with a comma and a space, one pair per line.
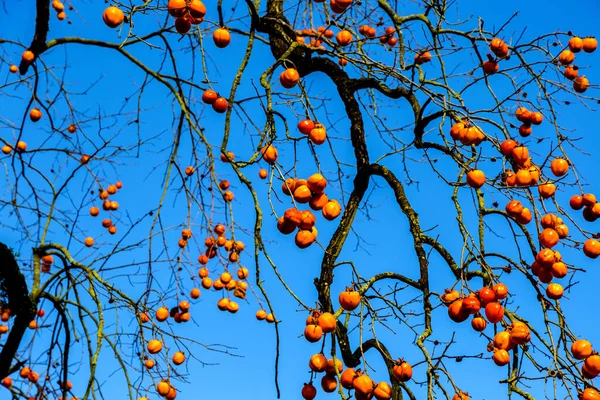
261, 140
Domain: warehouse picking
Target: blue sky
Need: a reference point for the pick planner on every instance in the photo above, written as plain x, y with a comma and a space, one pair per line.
104, 83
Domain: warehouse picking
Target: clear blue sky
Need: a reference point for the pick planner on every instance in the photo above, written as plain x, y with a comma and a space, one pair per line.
385, 242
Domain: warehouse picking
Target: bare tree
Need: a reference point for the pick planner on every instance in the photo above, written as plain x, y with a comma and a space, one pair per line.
336, 102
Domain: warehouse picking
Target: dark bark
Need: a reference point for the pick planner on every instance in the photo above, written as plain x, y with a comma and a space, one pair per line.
42, 26
13, 290
282, 35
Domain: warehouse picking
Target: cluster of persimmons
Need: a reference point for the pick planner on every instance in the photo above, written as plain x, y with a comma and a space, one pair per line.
319, 323
27, 374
